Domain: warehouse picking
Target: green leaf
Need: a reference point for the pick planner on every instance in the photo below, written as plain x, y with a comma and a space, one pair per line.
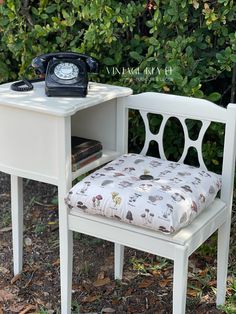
150, 50
215, 162
156, 15
108, 10
34, 11
119, 19
194, 82
189, 51
52, 8
198, 93
214, 96
233, 58
135, 55
65, 14
109, 61
44, 16
177, 77
153, 41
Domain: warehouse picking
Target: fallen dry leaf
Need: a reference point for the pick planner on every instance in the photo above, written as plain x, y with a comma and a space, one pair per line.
76, 287
163, 283
212, 283
101, 275
230, 279
129, 292
192, 292
3, 244
90, 298
6, 229
110, 260
16, 308
4, 270
38, 282
101, 282
108, 310
132, 309
28, 242
107, 268
6, 296
31, 269
15, 278
28, 308
115, 302
1, 311
203, 272
56, 263
129, 275
156, 272
86, 286
145, 283
39, 301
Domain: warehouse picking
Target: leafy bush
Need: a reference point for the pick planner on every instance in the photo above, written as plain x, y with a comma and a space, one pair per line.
183, 47
190, 45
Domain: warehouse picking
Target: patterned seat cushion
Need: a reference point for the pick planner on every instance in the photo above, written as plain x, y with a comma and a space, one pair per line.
146, 191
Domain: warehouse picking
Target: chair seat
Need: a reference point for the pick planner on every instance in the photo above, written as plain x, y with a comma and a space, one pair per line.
146, 191
201, 227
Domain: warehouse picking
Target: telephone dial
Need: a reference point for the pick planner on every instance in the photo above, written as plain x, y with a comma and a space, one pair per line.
65, 74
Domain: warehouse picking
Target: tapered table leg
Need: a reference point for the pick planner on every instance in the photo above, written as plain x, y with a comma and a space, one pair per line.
17, 222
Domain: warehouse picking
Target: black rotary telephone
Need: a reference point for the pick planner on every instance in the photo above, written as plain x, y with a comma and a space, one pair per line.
66, 74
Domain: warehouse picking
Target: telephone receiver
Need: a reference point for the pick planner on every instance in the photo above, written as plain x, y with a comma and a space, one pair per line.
65, 74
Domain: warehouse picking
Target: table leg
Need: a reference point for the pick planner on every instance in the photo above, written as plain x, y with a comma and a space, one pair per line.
65, 235
17, 222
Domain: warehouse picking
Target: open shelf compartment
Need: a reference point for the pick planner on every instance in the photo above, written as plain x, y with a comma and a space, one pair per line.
106, 157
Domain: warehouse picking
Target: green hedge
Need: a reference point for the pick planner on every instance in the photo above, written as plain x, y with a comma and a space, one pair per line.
196, 39
183, 47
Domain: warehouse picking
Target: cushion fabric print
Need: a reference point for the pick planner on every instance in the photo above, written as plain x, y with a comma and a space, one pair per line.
146, 191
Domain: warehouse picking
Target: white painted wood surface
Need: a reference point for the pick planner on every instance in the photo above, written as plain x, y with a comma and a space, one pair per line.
178, 246
35, 143
36, 100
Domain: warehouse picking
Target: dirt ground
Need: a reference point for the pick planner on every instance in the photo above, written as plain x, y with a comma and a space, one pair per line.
147, 284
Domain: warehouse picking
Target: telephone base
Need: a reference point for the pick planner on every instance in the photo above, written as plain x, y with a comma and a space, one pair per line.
65, 92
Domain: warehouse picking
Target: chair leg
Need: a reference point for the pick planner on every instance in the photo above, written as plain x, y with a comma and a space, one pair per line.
119, 260
180, 282
222, 261
66, 252
66, 261
17, 222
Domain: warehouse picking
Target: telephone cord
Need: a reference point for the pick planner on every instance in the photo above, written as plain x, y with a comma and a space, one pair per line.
19, 86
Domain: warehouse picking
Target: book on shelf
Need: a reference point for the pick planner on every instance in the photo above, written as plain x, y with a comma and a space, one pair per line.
81, 163
83, 147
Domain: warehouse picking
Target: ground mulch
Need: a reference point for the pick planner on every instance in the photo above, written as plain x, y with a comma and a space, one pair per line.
145, 288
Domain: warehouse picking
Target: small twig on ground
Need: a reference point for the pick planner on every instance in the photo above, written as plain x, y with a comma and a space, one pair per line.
45, 205
29, 281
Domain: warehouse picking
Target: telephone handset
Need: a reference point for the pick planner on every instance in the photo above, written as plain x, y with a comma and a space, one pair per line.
65, 74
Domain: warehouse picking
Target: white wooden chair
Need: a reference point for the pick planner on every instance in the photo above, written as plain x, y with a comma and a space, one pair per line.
177, 246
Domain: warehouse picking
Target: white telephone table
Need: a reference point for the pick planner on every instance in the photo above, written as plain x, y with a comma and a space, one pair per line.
35, 142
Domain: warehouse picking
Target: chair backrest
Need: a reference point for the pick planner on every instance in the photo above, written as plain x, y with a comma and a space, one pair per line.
184, 108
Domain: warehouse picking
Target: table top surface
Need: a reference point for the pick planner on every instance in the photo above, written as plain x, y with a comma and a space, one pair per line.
36, 100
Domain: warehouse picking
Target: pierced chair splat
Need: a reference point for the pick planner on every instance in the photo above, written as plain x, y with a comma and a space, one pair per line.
158, 206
